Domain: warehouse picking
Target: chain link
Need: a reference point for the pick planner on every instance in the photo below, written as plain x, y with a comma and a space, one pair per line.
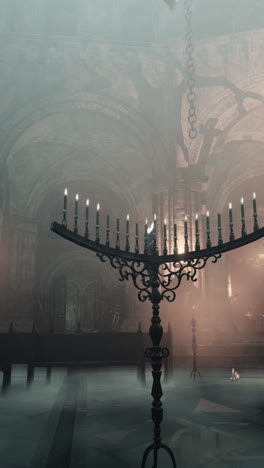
190, 70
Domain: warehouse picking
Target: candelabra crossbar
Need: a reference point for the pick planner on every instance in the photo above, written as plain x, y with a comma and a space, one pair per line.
156, 277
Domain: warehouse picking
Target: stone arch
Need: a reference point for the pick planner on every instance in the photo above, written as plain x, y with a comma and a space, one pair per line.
19, 122
29, 132
234, 171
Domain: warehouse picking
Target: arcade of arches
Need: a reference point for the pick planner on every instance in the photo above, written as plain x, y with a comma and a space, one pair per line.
106, 117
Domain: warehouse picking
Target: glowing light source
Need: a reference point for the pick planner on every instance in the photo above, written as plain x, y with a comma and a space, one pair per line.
150, 228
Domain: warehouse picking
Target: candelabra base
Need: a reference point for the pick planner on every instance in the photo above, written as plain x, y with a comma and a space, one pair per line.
155, 449
195, 372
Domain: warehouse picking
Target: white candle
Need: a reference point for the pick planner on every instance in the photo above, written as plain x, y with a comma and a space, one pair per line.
76, 204
97, 214
165, 229
65, 199
254, 203
196, 224
230, 213
208, 220
242, 209
87, 209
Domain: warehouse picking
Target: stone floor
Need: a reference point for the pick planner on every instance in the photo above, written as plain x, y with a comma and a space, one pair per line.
101, 418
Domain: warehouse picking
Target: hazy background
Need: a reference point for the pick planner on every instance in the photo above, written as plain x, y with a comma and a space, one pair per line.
93, 98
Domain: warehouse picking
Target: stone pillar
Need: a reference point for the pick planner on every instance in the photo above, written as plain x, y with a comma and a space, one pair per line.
21, 253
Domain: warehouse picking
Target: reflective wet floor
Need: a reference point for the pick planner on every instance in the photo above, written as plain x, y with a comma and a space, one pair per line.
101, 418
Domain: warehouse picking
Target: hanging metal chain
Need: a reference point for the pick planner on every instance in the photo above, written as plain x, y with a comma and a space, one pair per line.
171, 3
190, 70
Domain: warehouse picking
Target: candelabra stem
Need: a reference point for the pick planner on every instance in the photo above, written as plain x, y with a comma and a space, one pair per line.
232, 235
156, 354
256, 226
64, 218
75, 228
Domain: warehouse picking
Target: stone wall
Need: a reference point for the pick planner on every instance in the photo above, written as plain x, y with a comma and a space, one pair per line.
91, 102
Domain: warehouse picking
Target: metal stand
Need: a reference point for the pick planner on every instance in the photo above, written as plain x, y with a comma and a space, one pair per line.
156, 277
156, 354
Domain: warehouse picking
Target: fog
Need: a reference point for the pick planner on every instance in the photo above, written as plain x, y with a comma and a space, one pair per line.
93, 98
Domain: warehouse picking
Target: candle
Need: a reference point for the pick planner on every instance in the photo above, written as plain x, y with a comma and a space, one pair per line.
197, 240
165, 250
242, 209
65, 199
232, 235
185, 226
208, 242
155, 223
137, 246
208, 220
76, 204
165, 229
196, 224
175, 239
255, 215
127, 233
230, 213
97, 214
254, 203
175, 231
146, 236
220, 239
87, 210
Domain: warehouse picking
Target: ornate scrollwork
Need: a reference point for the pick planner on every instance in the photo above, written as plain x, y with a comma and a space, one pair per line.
171, 274
139, 272
156, 353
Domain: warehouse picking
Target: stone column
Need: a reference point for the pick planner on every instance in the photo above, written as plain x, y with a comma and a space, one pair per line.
21, 254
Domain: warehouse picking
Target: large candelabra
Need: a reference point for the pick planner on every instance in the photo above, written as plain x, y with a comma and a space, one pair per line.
156, 277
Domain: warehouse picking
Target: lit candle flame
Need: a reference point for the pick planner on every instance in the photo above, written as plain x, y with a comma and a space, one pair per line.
185, 218
146, 221
76, 197
165, 221
254, 195
155, 217
150, 229
242, 201
87, 202
127, 217
207, 213
98, 206
230, 206
66, 192
196, 216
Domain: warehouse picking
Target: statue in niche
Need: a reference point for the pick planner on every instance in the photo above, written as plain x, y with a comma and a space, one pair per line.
72, 308
115, 321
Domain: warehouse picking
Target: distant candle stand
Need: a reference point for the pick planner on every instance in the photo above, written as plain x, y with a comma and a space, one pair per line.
156, 276
195, 370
